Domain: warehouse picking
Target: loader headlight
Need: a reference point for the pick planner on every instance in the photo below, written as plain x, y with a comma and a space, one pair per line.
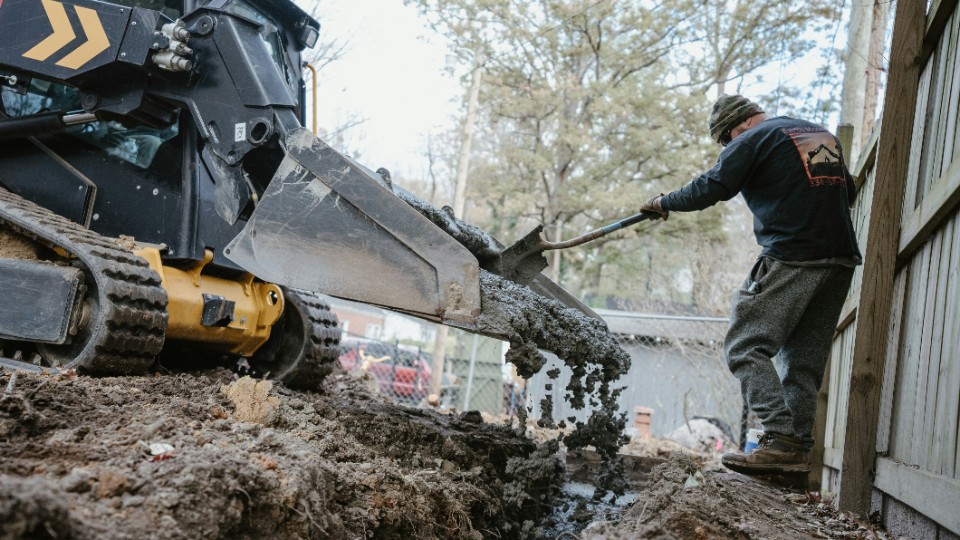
308, 36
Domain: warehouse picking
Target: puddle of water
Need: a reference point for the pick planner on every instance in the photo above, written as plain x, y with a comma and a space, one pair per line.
577, 509
586, 491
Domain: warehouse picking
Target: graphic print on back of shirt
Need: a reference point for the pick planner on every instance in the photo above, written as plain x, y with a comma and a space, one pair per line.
820, 153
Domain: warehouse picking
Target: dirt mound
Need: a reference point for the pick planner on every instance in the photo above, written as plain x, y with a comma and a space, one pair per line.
684, 501
208, 455
193, 456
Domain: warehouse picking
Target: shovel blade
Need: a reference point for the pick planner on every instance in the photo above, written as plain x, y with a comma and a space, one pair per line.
523, 261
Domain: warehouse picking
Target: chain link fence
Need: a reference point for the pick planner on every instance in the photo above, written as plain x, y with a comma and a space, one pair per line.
473, 378
678, 379
401, 372
677, 374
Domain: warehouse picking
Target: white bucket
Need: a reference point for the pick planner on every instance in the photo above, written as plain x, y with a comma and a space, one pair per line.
753, 438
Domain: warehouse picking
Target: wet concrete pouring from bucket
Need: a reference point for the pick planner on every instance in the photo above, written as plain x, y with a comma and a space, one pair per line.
537, 323
585, 345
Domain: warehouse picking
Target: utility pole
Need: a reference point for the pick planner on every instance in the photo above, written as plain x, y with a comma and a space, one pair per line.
555, 265
878, 33
459, 207
864, 63
463, 162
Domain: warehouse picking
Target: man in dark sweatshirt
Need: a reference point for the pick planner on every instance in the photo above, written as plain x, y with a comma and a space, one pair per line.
792, 176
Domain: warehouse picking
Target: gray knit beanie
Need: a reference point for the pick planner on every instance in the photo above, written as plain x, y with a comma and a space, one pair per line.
728, 113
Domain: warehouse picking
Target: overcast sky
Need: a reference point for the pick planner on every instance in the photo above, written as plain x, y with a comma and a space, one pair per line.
392, 75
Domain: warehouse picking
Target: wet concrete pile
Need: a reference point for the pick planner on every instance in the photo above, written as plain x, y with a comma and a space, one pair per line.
533, 323
472, 237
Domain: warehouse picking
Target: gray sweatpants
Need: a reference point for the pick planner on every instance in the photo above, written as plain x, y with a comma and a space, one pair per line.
791, 313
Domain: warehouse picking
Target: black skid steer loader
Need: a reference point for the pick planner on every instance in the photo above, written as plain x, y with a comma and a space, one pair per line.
158, 189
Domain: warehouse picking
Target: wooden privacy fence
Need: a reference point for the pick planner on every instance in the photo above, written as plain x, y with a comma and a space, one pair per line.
890, 425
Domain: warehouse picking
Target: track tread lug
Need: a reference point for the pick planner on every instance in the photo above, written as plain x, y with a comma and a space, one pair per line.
132, 319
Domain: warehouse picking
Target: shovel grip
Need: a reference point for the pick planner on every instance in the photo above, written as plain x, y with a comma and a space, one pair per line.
603, 231
626, 222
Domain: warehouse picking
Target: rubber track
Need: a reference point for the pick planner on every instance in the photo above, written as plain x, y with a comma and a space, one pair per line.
321, 352
131, 320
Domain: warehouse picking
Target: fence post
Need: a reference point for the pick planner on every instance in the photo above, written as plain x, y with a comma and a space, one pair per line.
473, 365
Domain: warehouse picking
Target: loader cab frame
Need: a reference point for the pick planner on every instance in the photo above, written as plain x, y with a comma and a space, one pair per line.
154, 183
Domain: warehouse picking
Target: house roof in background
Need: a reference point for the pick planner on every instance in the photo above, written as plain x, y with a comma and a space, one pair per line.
665, 326
625, 323
356, 307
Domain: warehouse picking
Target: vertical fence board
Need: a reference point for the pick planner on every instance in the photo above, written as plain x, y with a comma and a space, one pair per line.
861, 223
934, 146
833, 384
913, 181
845, 374
943, 428
956, 125
928, 159
909, 361
933, 342
950, 138
951, 352
839, 389
890, 369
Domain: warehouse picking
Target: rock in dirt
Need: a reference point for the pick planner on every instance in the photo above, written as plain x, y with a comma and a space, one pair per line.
252, 401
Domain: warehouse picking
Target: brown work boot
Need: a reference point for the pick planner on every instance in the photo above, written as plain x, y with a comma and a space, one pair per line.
775, 454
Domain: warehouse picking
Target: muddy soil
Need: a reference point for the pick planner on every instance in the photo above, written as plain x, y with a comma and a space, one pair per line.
686, 498
211, 456
14, 246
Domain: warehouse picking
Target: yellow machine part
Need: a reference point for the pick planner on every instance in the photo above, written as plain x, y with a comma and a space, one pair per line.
257, 306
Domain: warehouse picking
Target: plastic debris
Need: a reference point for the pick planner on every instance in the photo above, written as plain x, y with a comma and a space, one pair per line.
693, 481
159, 451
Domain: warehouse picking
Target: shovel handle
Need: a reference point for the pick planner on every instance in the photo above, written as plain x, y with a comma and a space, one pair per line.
603, 231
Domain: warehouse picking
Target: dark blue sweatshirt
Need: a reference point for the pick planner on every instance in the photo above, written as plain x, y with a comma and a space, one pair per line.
794, 179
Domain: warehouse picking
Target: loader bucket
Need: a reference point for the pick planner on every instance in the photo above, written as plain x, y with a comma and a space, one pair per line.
325, 225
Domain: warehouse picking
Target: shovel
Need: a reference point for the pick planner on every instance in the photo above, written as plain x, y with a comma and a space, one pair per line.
524, 260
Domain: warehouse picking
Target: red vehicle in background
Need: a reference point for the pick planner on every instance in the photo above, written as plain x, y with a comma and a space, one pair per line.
401, 371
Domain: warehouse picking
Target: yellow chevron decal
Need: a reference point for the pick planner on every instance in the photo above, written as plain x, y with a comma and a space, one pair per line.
62, 32
97, 41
